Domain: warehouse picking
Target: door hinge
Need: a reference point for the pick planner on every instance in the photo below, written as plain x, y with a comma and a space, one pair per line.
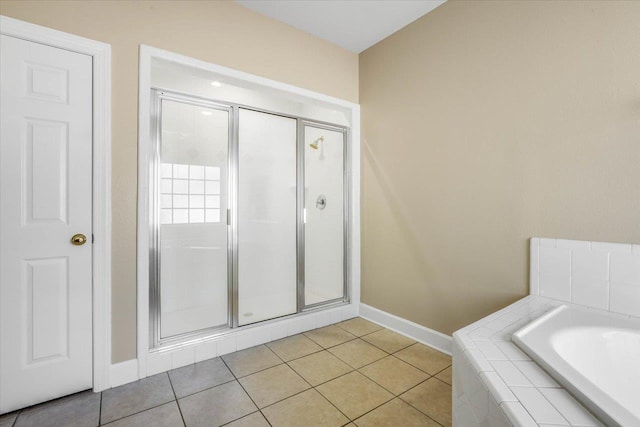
92, 239
228, 216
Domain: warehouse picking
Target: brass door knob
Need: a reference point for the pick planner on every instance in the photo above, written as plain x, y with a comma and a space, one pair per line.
79, 239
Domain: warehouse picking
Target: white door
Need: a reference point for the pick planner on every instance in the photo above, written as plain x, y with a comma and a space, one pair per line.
45, 199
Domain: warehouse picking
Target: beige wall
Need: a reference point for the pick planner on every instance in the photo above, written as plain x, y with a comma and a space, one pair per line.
219, 32
486, 123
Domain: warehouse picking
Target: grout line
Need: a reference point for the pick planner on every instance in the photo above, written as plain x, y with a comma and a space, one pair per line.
373, 409
450, 366
443, 382
15, 421
331, 403
245, 416
317, 391
260, 370
393, 352
420, 369
208, 388
339, 376
176, 399
418, 409
265, 417
271, 350
245, 390
100, 410
136, 413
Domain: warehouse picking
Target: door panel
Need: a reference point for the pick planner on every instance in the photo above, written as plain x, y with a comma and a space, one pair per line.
45, 183
267, 216
46, 180
324, 225
46, 300
193, 234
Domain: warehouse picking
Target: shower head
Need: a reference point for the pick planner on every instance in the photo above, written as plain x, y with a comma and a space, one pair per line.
315, 143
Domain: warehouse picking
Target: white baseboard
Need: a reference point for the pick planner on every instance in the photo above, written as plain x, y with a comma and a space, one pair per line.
124, 372
426, 336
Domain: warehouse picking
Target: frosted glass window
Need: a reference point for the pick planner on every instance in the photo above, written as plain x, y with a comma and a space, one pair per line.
166, 186
196, 187
212, 202
196, 172
189, 193
180, 216
166, 201
212, 174
180, 186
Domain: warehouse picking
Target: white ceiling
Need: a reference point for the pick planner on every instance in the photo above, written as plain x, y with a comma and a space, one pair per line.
352, 24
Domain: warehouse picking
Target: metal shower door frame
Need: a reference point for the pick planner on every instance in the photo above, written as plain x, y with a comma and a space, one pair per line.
346, 269
155, 301
157, 96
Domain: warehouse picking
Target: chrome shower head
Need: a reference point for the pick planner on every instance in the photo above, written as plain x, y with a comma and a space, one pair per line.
315, 143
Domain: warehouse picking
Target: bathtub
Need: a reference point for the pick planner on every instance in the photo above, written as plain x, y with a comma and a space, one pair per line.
594, 354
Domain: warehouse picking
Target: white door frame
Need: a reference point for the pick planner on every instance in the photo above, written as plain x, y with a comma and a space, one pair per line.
101, 54
148, 363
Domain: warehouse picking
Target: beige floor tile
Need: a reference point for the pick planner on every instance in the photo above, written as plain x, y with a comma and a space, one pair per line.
305, 409
318, 368
294, 347
395, 413
425, 358
273, 384
216, 406
388, 340
329, 336
199, 376
432, 397
129, 399
254, 359
445, 375
354, 394
358, 353
394, 375
253, 420
359, 326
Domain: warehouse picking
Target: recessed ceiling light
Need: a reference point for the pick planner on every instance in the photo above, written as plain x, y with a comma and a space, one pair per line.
216, 84
206, 113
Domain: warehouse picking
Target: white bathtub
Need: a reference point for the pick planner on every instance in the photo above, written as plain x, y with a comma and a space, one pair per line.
595, 355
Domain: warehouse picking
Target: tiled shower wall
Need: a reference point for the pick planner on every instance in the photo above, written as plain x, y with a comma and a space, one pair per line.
593, 274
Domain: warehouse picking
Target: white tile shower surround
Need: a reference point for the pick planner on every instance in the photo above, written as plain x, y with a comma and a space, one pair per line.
592, 274
496, 384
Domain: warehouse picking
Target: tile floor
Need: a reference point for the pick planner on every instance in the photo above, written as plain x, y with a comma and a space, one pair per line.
354, 373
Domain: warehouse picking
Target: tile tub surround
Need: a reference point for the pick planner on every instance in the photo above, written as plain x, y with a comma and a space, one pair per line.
494, 381
599, 275
353, 373
496, 384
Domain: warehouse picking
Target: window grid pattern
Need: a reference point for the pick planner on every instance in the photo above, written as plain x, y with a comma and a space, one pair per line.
189, 194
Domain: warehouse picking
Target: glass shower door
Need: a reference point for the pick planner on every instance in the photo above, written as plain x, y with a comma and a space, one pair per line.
192, 234
324, 228
267, 212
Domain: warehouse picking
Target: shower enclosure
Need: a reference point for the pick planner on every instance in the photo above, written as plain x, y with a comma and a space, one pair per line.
248, 216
